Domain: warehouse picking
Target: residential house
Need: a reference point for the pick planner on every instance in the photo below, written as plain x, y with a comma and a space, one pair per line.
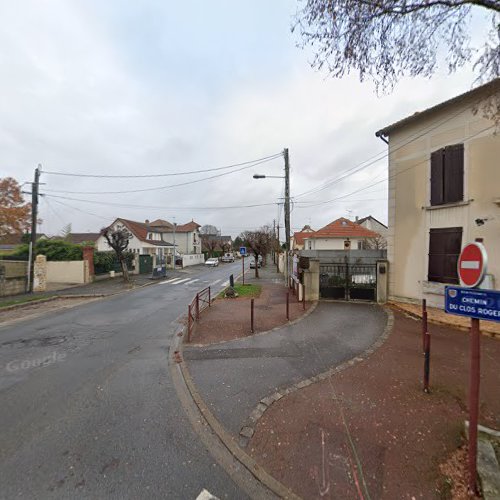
444, 191
187, 236
298, 237
80, 238
145, 239
373, 224
341, 234
11, 241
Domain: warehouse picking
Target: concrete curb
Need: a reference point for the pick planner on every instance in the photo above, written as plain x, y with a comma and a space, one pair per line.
314, 305
227, 440
248, 430
71, 296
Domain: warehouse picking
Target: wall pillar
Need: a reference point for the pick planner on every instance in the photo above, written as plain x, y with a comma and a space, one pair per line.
382, 280
88, 255
311, 280
40, 274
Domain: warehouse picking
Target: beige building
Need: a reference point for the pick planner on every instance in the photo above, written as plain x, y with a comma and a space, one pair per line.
444, 191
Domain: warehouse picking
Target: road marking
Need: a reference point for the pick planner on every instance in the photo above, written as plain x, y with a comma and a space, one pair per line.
181, 281
469, 264
206, 495
171, 280
214, 282
192, 281
226, 283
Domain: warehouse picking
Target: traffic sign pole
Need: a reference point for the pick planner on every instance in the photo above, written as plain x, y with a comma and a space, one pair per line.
243, 265
475, 370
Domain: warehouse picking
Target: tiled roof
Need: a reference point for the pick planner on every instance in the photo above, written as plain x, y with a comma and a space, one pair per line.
161, 223
343, 228
298, 237
187, 228
363, 219
78, 238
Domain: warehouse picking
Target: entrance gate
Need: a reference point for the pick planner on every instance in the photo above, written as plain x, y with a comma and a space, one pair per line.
348, 281
145, 264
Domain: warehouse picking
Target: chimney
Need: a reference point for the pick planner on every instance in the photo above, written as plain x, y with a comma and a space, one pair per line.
357, 218
147, 221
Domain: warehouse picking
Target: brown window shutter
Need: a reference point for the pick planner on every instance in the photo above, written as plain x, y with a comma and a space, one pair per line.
444, 249
454, 173
437, 169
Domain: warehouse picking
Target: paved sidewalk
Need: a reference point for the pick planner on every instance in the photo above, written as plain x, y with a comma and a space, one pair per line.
369, 431
233, 377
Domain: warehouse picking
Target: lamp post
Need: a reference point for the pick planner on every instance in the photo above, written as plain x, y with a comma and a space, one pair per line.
287, 200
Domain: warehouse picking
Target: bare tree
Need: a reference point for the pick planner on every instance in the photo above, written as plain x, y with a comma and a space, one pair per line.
376, 243
385, 40
118, 240
209, 229
209, 244
260, 243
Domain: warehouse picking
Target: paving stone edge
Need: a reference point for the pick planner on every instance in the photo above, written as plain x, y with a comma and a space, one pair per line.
248, 429
229, 441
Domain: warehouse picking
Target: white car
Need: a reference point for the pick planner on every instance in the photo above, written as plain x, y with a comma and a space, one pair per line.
213, 261
228, 257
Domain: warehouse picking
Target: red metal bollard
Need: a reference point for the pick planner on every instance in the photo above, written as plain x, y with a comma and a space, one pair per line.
251, 314
303, 297
209, 300
197, 307
424, 323
189, 323
427, 361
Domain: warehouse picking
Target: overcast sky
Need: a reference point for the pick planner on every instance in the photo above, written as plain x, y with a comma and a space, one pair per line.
157, 87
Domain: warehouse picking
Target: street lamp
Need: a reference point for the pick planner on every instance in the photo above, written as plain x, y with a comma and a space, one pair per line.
287, 195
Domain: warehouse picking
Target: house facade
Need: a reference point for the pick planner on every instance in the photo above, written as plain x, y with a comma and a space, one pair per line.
186, 236
299, 236
145, 240
444, 191
341, 234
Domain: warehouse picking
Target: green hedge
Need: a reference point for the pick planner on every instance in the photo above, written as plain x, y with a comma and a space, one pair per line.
107, 261
54, 250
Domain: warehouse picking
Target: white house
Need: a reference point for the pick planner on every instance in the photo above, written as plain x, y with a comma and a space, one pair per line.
341, 234
144, 240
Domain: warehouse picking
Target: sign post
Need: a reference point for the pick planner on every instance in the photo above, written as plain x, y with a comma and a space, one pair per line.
476, 304
243, 252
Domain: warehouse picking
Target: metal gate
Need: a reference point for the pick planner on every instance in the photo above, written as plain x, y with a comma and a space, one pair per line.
348, 281
145, 264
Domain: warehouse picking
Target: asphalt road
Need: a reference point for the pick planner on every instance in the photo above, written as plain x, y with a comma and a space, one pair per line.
100, 417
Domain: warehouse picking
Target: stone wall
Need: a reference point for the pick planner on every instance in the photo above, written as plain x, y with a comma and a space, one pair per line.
13, 277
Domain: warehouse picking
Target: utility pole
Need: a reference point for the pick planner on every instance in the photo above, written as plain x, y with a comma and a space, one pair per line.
274, 241
287, 213
287, 199
34, 219
175, 225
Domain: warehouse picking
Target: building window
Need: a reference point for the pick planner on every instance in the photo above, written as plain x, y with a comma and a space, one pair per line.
447, 175
444, 248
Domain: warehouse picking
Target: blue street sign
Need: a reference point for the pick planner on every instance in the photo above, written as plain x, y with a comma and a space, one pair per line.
243, 250
472, 302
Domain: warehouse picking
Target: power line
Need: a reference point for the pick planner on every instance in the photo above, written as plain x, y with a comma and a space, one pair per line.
390, 177
160, 188
69, 174
127, 205
379, 156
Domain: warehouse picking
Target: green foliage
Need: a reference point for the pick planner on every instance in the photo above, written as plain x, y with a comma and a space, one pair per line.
55, 250
107, 261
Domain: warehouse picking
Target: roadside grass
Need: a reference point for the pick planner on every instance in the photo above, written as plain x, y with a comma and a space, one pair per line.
13, 302
248, 290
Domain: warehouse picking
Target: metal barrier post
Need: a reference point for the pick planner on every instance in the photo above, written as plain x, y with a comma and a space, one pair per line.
424, 322
209, 299
427, 361
251, 314
197, 306
189, 323
288, 306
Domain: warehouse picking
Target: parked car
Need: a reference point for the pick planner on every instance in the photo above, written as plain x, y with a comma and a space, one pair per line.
228, 257
252, 262
213, 261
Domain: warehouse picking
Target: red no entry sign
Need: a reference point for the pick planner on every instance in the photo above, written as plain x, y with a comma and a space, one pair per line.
472, 264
